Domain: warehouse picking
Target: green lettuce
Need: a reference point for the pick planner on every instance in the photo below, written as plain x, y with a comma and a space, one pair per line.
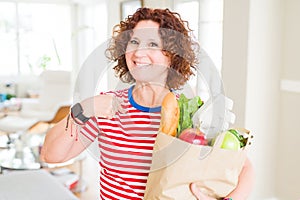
187, 107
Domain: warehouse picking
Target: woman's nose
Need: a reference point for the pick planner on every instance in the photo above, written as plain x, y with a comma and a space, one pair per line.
140, 51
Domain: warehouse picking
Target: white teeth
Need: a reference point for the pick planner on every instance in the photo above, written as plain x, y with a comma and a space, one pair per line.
142, 64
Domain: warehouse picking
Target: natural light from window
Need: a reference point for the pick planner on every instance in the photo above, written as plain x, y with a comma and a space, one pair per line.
205, 18
34, 37
8, 47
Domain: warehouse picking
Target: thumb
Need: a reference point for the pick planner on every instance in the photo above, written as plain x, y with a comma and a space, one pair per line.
198, 193
195, 190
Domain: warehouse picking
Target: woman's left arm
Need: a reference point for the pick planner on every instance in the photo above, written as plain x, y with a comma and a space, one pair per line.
242, 190
246, 182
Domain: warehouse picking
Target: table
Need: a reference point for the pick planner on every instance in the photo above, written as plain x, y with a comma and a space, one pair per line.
24, 155
32, 185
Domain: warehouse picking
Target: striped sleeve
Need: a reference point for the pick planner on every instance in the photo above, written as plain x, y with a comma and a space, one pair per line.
90, 130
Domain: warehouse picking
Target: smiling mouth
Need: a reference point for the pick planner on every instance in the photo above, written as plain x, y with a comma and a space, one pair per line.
142, 65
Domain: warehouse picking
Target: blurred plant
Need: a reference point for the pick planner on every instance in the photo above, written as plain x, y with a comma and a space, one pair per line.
43, 61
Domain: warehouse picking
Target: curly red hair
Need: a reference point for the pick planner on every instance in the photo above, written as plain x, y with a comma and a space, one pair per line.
178, 45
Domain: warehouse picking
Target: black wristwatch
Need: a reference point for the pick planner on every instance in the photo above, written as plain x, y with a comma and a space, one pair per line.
77, 113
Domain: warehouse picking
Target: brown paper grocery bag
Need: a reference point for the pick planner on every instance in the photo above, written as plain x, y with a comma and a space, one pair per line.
176, 164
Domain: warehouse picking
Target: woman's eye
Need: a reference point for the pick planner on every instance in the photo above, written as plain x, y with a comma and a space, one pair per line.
153, 44
133, 42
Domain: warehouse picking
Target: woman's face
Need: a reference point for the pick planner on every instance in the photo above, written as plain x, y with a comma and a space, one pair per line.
144, 56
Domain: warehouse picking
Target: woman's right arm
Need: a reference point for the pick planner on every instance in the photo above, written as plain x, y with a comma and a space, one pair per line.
64, 141
61, 142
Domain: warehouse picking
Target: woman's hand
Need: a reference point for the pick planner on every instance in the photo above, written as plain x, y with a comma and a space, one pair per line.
103, 105
242, 190
198, 194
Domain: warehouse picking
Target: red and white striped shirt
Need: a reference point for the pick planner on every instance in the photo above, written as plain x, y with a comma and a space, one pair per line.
126, 145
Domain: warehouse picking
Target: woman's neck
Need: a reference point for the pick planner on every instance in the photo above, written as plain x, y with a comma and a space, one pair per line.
148, 94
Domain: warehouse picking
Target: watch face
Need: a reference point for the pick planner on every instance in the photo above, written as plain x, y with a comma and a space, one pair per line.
76, 109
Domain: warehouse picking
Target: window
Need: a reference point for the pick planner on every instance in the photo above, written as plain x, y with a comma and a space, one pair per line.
211, 29
205, 17
189, 11
34, 36
128, 7
8, 47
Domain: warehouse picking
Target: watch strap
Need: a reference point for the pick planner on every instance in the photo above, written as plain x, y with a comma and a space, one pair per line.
77, 114
81, 117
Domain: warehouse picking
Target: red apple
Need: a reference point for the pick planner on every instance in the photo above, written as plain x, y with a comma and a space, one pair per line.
193, 136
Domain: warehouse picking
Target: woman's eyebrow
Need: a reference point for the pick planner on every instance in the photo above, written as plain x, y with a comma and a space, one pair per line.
149, 39
134, 37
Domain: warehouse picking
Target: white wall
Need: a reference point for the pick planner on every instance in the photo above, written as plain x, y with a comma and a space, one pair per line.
251, 65
262, 98
235, 50
251, 73
288, 176
261, 48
